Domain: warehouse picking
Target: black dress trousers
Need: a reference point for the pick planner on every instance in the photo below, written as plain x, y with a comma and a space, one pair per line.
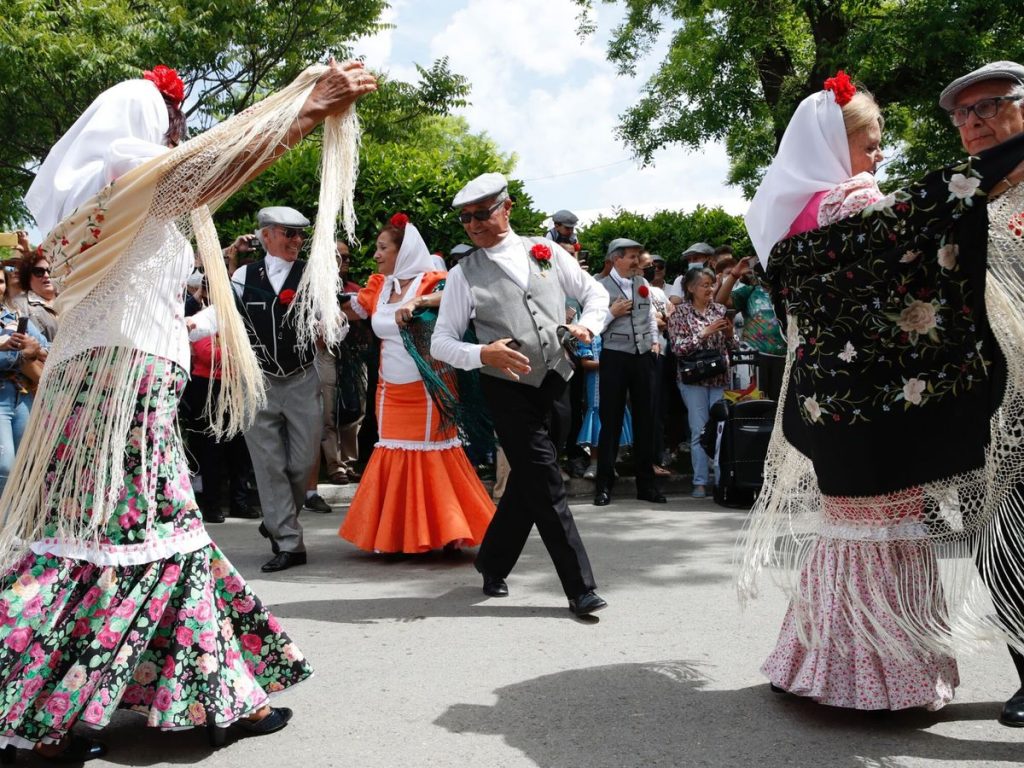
622, 374
535, 493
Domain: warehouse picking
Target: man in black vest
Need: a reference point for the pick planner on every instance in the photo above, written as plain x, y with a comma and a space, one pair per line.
285, 435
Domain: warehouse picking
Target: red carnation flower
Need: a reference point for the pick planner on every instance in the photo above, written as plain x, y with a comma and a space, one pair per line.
399, 220
540, 252
643, 291
577, 247
167, 82
841, 86
286, 297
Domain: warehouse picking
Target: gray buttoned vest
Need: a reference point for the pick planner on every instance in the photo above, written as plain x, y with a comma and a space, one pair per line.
632, 332
531, 316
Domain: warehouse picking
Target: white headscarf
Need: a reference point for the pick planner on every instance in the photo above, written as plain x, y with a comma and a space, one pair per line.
413, 258
813, 156
122, 128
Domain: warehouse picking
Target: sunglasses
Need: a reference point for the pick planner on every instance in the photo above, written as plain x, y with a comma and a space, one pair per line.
985, 109
40, 271
290, 232
465, 217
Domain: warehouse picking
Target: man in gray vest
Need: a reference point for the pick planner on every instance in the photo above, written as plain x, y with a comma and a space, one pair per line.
628, 350
514, 290
987, 107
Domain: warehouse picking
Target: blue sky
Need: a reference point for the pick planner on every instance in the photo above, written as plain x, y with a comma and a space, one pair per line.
553, 99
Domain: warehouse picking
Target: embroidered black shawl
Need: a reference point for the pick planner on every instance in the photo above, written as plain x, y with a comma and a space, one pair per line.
896, 373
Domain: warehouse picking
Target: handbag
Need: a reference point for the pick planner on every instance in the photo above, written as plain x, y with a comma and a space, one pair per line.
702, 365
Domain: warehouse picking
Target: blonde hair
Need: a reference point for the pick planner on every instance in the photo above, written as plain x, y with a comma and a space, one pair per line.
861, 111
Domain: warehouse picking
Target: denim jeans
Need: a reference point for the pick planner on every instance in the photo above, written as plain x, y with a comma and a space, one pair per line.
14, 410
699, 400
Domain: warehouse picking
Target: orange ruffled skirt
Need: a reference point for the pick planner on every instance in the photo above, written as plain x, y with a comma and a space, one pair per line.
418, 492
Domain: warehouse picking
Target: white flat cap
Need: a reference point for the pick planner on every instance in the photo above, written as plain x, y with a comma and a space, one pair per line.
483, 187
282, 216
565, 218
620, 243
995, 70
461, 249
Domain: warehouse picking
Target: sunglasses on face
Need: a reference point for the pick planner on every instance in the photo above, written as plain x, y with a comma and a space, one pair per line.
290, 232
465, 217
985, 109
40, 271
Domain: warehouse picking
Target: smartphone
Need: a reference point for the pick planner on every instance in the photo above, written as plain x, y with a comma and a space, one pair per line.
730, 314
22, 324
8, 239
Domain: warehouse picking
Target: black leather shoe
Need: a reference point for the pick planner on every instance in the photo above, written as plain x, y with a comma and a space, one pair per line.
655, 497
1013, 711
266, 535
243, 510
275, 721
212, 515
602, 498
587, 603
283, 561
317, 504
77, 750
495, 587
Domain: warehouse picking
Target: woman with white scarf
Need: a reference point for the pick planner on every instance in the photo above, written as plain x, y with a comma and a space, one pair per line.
419, 492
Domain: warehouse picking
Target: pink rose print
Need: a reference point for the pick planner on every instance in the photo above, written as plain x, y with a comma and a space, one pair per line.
252, 643
18, 639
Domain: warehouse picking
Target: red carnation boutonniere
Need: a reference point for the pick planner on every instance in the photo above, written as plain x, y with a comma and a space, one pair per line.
167, 82
542, 254
286, 297
577, 247
644, 291
842, 87
399, 220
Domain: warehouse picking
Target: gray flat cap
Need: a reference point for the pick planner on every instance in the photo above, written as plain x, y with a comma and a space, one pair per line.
565, 218
995, 70
461, 249
620, 243
655, 257
702, 248
483, 187
282, 216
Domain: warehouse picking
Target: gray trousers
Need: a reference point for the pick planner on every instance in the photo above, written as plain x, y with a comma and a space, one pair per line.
340, 445
283, 442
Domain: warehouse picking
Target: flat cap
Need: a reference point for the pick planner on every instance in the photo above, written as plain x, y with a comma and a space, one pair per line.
565, 218
281, 215
994, 70
461, 249
702, 248
483, 187
621, 242
655, 257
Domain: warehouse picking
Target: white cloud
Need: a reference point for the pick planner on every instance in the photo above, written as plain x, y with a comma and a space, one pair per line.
376, 48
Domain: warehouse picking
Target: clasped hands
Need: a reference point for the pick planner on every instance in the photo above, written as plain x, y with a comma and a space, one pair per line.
498, 354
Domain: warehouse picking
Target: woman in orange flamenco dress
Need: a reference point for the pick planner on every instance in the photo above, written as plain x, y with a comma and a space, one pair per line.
419, 492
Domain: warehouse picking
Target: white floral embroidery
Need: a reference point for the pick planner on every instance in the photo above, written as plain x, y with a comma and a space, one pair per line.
947, 255
962, 187
848, 354
812, 408
912, 390
909, 256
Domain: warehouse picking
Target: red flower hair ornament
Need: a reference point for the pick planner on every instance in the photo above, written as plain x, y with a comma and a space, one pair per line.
399, 220
167, 82
841, 87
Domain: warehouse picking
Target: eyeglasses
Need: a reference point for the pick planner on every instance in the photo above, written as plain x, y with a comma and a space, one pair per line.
40, 271
659, 265
465, 217
290, 232
985, 108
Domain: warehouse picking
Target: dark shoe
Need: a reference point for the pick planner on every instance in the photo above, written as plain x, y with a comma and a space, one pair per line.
339, 478
602, 499
266, 535
1013, 711
655, 497
317, 504
242, 509
78, 750
495, 587
212, 515
275, 721
578, 466
587, 603
283, 561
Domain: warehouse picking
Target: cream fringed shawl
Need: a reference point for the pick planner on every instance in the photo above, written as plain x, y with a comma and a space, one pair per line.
118, 247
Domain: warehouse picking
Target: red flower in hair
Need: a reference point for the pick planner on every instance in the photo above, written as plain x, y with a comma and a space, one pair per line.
399, 220
286, 297
643, 291
167, 82
841, 86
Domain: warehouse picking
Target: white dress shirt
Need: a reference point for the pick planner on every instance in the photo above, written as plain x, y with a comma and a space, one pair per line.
206, 319
626, 287
457, 307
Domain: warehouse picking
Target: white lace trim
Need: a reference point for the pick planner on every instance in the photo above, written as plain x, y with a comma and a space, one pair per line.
902, 531
416, 445
123, 554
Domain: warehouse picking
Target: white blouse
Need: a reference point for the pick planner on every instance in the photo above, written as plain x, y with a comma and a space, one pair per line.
396, 366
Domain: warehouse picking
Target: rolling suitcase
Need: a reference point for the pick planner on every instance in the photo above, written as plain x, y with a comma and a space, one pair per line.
738, 434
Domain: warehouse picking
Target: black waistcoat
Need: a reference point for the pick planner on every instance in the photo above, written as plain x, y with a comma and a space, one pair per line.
273, 338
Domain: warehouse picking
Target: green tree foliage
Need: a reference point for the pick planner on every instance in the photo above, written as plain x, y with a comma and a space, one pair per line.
736, 69
419, 176
56, 56
666, 233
